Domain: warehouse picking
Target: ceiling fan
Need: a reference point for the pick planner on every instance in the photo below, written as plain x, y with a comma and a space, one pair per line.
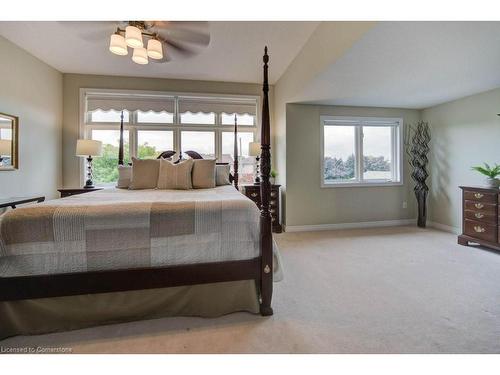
151, 41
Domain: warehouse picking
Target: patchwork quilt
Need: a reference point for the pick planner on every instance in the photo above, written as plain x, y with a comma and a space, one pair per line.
118, 229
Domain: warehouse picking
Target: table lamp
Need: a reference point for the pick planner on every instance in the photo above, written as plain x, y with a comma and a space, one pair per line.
88, 148
254, 150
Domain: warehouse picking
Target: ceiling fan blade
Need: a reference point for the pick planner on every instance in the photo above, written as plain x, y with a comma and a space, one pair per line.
188, 36
181, 31
166, 58
179, 48
92, 30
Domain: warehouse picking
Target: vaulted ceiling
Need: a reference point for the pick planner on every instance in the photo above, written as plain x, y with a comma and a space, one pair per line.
234, 53
392, 64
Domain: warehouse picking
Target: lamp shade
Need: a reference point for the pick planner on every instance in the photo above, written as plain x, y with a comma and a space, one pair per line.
254, 148
88, 147
133, 37
155, 50
140, 56
117, 45
5, 147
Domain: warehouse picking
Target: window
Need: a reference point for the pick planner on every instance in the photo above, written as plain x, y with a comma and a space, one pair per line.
105, 171
246, 163
360, 151
151, 143
243, 120
151, 117
197, 118
99, 115
155, 122
200, 141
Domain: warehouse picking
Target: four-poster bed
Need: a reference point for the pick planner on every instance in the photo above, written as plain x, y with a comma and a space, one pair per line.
258, 268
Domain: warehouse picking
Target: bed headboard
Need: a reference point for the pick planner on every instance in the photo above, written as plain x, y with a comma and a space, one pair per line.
167, 154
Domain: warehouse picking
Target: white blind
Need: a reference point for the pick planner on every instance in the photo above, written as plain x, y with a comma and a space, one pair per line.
131, 104
360, 122
205, 105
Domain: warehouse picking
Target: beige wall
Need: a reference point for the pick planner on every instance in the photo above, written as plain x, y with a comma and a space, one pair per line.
309, 204
73, 83
32, 90
465, 132
328, 43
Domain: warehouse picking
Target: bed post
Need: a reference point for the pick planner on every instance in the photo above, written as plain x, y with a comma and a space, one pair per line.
266, 240
120, 147
235, 165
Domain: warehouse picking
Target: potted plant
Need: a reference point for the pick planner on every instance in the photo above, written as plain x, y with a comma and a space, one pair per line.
272, 176
491, 173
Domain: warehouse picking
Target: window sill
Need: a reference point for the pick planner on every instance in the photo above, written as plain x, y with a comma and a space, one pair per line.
359, 184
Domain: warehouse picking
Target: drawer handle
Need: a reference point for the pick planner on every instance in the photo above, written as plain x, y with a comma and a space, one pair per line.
273, 202
479, 215
272, 210
479, 205
253, 194
273, 194
479, 229
478, 195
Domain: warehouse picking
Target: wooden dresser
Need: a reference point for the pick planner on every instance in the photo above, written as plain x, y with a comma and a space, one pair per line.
480, 216
253, 192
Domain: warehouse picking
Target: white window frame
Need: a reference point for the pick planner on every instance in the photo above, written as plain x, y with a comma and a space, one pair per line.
86, 126
359, 122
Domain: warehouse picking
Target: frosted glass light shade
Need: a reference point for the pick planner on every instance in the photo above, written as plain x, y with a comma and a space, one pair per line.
133, 37
5, 147
155, 50
140, 56
117, 45
88, 147
254, 148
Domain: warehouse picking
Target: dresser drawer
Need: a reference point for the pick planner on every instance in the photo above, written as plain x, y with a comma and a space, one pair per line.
481, 216
486, 208
480, 196
481, 230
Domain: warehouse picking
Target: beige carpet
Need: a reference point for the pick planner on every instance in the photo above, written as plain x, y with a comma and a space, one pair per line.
386, 290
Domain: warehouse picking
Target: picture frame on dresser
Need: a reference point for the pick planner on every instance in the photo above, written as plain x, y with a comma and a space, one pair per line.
480, 217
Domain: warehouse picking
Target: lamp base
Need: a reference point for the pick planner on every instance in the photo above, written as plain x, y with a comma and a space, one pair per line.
89, 184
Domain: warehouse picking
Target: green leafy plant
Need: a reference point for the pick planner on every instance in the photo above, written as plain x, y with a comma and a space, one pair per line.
491, 172
273, 174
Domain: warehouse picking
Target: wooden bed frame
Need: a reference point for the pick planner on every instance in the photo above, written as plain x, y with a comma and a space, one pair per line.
259, 269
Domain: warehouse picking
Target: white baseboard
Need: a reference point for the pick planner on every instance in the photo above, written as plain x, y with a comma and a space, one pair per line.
443, 227
364, 224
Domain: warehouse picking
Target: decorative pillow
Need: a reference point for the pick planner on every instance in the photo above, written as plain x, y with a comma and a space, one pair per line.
222, 175
203, 174
144, 173
124, 176
175, 176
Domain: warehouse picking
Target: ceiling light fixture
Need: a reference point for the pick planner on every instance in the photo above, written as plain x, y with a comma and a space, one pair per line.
117, 45
140, 56
132, 37
155, 50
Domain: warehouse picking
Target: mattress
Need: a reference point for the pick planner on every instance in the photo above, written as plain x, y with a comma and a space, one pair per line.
119, 229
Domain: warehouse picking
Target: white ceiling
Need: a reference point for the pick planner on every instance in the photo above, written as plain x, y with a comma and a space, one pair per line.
412, 65
395, 64
233, 55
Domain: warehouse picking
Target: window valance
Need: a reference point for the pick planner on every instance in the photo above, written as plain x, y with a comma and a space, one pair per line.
131, 104
217, 106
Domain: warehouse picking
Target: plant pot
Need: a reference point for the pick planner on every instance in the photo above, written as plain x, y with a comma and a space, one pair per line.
493, 182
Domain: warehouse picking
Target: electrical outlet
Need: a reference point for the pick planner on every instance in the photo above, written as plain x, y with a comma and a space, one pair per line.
405, 204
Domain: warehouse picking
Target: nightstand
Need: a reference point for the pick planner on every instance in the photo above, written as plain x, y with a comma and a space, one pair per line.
253, 192
70, 192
